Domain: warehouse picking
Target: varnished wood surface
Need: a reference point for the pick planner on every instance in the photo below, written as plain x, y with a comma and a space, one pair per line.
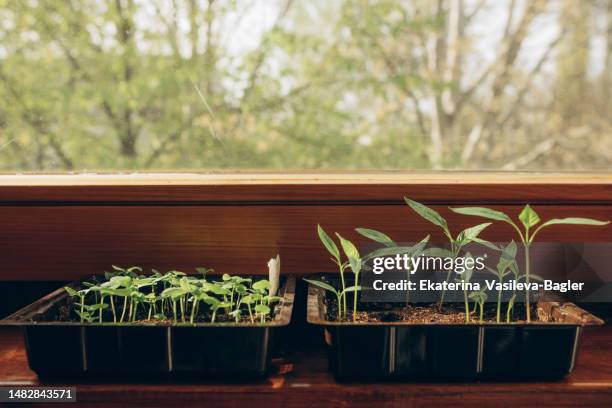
62, 227
68, 242
218, 187
301, 379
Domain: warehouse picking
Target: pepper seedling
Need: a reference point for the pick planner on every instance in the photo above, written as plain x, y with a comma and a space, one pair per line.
456, 242
529, 218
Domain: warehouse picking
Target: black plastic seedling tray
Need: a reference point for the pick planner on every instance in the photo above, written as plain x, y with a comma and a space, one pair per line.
203, 350
398, 351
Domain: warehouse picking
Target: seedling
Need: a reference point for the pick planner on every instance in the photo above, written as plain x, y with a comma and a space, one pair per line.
466, 276
353, 262
128, 297
332, 248
505, 266
463, 238
480, 297
529, 218
391, 248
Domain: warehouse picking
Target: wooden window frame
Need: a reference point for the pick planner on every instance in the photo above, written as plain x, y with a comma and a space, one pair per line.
60, 226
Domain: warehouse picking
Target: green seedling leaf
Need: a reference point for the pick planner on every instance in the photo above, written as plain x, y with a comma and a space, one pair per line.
429, 214
173, 293
263, 309
137, 295
482, 212
115, 291
351, 253
248, 300
121, 281
203, 271
262, 285
569, 221
186, 286
529, 217
177, 273
486, 243
352, 289
575, 221
509, 251
215, 288
329, 244
143, 282
322, 285
71, 291
211, 301
86, 316
468, 234
376, 236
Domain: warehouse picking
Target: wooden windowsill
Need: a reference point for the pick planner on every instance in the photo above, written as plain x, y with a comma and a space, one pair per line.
303, 178
301, 379
378, 186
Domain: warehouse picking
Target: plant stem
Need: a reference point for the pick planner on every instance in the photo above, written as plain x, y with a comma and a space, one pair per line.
113, 309
355, 297
124, 309
467, 306
82, 307
250, 313
499, 295
448, 275
182, 304
481, 311
193, 309
100, 311
340, 306
508, 313
527, 300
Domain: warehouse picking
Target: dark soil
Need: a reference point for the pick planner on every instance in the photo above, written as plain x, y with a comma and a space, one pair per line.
450, 313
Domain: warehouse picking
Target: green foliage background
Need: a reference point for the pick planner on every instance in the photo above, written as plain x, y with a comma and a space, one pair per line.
90, 85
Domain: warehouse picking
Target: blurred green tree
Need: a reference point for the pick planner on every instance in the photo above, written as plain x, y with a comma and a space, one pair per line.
93, 85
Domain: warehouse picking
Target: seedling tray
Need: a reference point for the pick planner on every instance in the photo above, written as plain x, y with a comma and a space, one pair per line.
201, 351
398, 351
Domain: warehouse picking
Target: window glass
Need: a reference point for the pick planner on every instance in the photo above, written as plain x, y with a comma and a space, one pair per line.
91, 85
